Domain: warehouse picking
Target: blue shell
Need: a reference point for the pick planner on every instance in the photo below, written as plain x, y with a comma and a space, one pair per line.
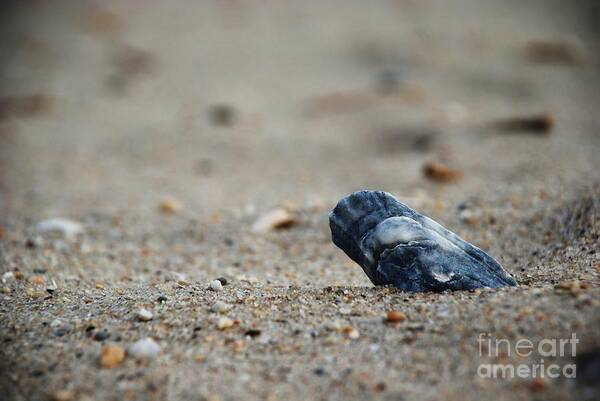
396, 245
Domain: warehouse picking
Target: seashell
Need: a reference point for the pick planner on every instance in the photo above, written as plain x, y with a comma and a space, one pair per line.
395, 245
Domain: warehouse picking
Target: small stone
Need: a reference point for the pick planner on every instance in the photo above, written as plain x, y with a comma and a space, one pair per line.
66, 227
252, 333
537, 124
215, 285
439, 172
170, 205
225, 323
351, 332
221, 307
62, 395
146, 348
101, 335
319, 371
222, 114
8, 276
34, 242
469, 216
111, 356
553, 52
144, 315
37, 280
161, 299
345, 310
395, 317
223, 281
275, 219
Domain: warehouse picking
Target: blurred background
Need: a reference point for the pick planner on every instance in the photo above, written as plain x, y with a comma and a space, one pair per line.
181, 137
222, 105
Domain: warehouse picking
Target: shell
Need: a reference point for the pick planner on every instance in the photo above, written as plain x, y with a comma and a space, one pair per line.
395, 245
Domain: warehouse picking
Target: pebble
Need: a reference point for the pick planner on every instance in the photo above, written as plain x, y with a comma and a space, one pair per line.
223, 280
68, 228
146, 348
351, 332
222, 114
395, 317
161, 299
101, 335
275, 219
253, 333
439, 172
8, 276
111, 356
225, 323
170, 205
34, 242
221, 307
62, 395
215, 285
37, 280
144, 315
536, 124
469, 216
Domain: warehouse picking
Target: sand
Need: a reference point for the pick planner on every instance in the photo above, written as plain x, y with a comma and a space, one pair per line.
167, 130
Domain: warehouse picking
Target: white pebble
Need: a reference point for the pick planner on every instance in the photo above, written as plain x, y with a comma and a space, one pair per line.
144, 315
220, 307
216, 285
146, 348
225, 323
68, 228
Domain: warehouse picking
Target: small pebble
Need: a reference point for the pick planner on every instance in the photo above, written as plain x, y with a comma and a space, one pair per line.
220, 307
146, 348
395, 317
252, 333
223, 280
111, 356
62, 395
101, 335
275, 219
37, 280
440, 172
68, 228
144, 315
222, 115
225, 323
161, 299
537, 124
351, 332
170, 205
215, 285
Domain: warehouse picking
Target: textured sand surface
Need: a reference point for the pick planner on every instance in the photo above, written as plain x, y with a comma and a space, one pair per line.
231, 109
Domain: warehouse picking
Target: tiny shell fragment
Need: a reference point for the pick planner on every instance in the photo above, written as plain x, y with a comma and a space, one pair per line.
276, 218
440, 172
